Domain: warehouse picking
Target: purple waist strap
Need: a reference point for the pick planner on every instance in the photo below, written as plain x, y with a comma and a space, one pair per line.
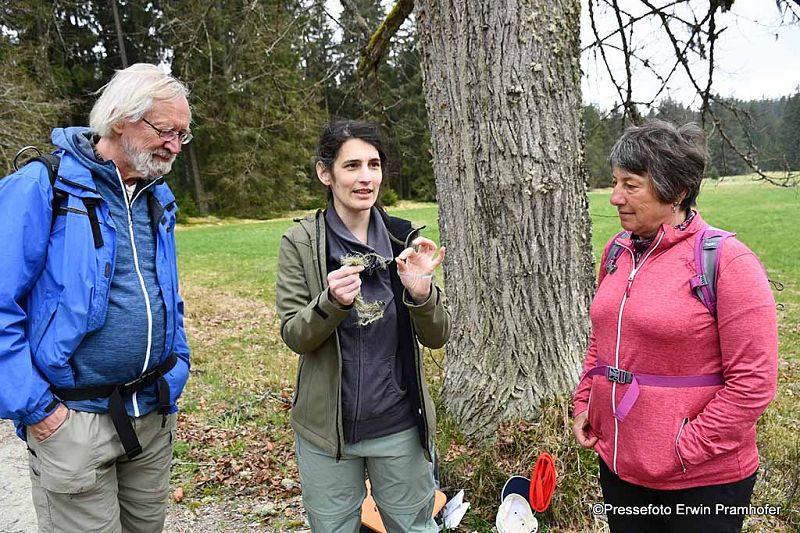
635, 380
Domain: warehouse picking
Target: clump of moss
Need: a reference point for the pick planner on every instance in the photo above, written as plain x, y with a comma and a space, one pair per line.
368, 312
371, 261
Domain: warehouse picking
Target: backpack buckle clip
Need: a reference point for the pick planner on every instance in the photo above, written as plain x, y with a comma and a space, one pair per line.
620, 376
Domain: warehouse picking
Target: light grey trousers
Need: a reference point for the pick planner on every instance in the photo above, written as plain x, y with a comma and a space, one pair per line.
82, 480
401, 479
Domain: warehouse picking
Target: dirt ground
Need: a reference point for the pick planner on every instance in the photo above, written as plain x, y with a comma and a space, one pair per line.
16, 507
17, 514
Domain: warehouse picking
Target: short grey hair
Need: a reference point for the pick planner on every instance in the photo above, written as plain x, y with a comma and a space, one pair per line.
130, 94
673, 156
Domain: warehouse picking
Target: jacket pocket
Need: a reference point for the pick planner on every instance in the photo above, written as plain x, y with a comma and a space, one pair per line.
316, 394
98, 297
396, 371
380, 388
176, 379
297, 380
647, 451
677, 449
42, 320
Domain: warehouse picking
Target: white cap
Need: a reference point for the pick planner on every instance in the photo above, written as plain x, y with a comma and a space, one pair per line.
515, 516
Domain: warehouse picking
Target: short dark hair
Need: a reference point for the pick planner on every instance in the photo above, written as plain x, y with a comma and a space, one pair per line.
338, 132
673, 156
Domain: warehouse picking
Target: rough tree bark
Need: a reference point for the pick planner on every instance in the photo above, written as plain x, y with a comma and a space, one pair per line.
502, 87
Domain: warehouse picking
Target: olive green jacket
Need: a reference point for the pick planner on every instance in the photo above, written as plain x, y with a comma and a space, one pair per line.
308, 326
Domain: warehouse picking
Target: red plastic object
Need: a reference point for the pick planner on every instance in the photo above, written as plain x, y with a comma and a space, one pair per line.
543, 482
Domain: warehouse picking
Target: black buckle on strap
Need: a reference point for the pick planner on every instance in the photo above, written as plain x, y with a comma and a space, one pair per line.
620, 376
149, 377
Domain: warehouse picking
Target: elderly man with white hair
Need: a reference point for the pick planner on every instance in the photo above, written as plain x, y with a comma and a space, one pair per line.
93, 352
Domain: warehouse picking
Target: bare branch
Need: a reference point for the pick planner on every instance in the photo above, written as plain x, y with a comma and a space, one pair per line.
712, 38
603, 52
679, 54
788, 10
630, 108
631, 22
790, 180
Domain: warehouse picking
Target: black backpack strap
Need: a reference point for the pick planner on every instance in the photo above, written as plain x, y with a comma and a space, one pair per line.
51, 162
116, 395
156, 211
91, 205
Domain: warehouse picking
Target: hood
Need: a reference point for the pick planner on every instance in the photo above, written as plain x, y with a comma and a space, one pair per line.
400, 229
76, 141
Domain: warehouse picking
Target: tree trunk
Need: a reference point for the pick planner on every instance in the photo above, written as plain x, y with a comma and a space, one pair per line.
120, 38
199, 192
502, 88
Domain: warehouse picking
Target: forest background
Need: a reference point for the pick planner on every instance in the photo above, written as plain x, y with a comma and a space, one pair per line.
264, 77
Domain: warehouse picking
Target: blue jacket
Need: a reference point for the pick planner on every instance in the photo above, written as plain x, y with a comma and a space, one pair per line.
55, 285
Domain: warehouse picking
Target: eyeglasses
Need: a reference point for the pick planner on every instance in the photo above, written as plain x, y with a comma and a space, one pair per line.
170, 135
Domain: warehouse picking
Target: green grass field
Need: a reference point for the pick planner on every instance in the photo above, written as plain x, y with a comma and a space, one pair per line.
234, 437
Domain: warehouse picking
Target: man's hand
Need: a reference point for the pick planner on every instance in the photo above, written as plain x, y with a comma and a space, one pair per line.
583, 430
344, 284
48, 426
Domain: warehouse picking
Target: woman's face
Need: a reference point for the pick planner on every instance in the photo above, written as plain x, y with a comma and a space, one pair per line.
639, 210
354, 178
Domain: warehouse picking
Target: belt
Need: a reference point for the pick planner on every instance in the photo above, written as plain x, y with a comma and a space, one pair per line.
635, 379
116, 403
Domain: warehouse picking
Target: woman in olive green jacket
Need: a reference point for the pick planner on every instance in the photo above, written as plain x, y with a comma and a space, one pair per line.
356, 297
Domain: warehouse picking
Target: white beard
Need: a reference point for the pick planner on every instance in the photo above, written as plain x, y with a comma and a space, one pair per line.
144, 162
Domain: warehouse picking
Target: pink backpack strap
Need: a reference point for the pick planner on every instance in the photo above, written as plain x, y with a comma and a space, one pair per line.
707, 248
613, 251
635, 379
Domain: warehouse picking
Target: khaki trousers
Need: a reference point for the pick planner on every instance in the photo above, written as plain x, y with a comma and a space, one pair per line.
401, 478
82, 481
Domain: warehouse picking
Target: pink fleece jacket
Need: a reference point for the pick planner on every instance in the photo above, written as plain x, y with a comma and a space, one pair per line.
676, 438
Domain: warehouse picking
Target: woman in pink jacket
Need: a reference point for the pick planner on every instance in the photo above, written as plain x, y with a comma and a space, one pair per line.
672, 386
